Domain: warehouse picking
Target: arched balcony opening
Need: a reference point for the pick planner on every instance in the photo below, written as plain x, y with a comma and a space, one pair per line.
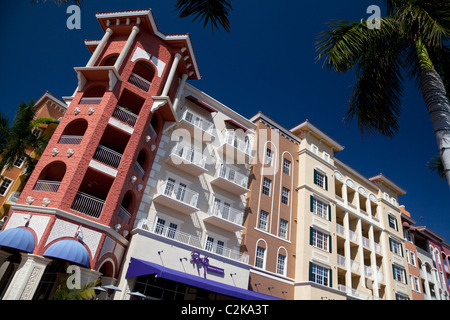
128, 108
154, 126
142, 75
110, 60
92, 193
73, 133
93, 95
50, 178
111, 147
141, 163
126, 206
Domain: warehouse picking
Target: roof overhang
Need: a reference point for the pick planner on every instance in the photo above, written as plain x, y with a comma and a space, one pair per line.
145, 19
307, 126
382, 178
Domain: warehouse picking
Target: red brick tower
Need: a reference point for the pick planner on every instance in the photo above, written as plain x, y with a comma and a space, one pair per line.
81, 200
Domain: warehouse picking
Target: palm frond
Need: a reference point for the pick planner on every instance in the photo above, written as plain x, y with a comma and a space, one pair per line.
435, 165
59, 2
4, 131
214, 12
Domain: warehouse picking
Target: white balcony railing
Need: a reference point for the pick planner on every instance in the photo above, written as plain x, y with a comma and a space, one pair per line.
354, 265
353, 292
341, 260
179, 193
191, 240
139, 82
87, 204
353, 236
124, 214
49, 186
139, 170
366, 242
198, 121
189, 154
377, 247
227, 213
125, 116
368, 271
90, 100
70, 139
340, 229
107, 156
232, 175
240, 144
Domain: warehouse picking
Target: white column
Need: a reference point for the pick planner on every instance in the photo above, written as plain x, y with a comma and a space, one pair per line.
179, 91
373, 262
171, 74
348, 275
27, 277
99, 48
425, 277
126, 48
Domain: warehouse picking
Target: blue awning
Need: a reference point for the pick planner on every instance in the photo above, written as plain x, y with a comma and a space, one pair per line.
17, 238
69, 250
139, 267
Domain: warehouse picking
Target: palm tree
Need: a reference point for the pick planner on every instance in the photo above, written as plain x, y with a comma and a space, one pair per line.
4, 131
435, 165
412, 42
20, 138
213, 12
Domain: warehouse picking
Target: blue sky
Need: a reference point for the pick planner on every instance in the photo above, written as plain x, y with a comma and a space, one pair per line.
266, 63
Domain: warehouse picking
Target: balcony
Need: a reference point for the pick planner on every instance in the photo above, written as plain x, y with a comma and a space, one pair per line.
187, 159
353, 236
341, 261
368, 272
48, 186
90, 100
199, 128
70, 139
13, 197
139, 82
366, 242
225, 217
107, 156
340, 230
191, 240
354, 266
177, 197
125, 116
354, 293
87, 204
235, 149
139, 170
230, 180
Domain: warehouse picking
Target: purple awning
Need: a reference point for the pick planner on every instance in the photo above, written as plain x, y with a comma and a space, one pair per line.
139, 267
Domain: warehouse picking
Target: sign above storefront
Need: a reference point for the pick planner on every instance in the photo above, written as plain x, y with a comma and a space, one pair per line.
200, 261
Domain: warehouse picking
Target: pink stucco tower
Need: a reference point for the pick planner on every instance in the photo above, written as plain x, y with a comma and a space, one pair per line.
80, 202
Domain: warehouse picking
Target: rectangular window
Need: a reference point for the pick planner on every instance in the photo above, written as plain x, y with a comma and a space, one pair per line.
286, 166
320, 208
396, 247
281, 264
269, 156
285, 196
266, 186
320, 179
283, 228
260, 257
416, 284
413, 258
209, 244
319, 274
263, 217
19, 162
392, 222
399, 274
159, 228
4, 186
319, 239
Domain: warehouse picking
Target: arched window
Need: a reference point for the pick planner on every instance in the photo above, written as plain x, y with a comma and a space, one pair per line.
261, 254
110, 61
74, 132
282, 261
126, 206
50, 177
142, 75
141, 163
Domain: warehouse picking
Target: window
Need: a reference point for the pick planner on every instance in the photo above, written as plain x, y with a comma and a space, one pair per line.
393, 222
400, 297
407, 235
260, 257
222, 208
213, 246
320, 240
320, 208
283, 228
286, 166
399, 273
281, 264
19, 162
319, 274
4, 186
266, 186
320, 179
396, 247
416, 285
413, 258
269, 156
285, 196
168, 232
263, 217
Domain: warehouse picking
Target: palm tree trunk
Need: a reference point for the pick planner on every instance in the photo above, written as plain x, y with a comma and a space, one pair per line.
438, 106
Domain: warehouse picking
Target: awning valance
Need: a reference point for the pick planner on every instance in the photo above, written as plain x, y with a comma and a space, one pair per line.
139, 267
